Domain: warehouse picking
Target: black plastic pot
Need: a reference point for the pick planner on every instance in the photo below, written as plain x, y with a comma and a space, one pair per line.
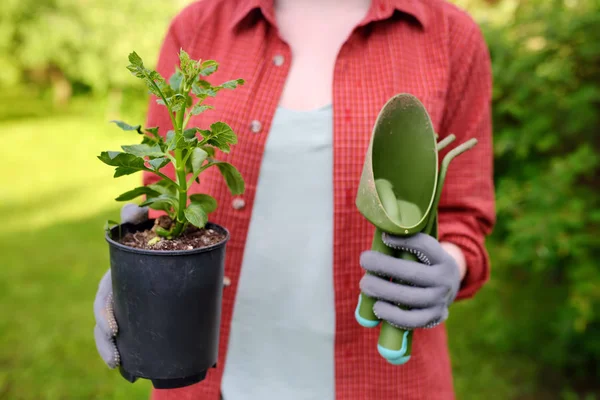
168, 308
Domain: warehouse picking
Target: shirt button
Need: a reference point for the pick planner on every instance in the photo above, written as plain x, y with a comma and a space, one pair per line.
255, 126
226, 281
278, 60
238, 203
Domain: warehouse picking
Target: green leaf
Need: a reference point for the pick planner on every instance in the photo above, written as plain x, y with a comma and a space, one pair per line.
119, 159
136, 60
222, 136
154, 132
232, 84
198, 109
150, 141
127, 127
190, 133
139, 191
154, 81
209, 150
163, 202
198, 156
158, 163
232, 176
186, 64
208, 203
164, 186
203, 92
143, 150
208, 67
171, 145
126, 163
190, 139
177, 101
175, 80
121, 171
196, 215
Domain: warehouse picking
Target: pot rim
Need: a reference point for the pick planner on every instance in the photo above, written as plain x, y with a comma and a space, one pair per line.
212, 225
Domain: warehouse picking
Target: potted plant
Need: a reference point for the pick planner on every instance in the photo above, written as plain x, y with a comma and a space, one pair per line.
167, 273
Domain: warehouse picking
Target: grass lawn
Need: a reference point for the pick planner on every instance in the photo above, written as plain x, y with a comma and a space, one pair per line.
55, 197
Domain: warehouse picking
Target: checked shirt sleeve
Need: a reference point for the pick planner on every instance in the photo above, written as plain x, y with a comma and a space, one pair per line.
466, 211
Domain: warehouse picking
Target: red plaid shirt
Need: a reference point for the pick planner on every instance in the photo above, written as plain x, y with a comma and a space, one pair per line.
425, 47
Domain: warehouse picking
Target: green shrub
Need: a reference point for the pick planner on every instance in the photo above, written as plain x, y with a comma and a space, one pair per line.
546, 65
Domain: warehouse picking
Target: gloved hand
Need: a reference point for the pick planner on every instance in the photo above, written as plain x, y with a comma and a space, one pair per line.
106, 328
424, 291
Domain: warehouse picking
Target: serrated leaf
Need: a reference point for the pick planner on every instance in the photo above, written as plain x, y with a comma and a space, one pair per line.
164, 186
177, 102
198, 156
223, 131
139, 191
119, 159
204, 133
126, 163
154, 81
208, 203
163, 202
136, 60
190, 133
208, 67
175, 80
122, 171
153, 131
171, 145
158, 163
209, 150
203, 92
232, 84
184, 141
222, 136
126, 127
186, 63
143, 150
196, 215
198, 109
150, 141
232, 176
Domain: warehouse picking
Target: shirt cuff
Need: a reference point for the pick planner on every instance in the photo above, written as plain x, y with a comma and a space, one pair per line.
476, 257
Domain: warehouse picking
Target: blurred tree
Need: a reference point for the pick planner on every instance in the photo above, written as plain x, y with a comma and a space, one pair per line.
84, 42
546, 65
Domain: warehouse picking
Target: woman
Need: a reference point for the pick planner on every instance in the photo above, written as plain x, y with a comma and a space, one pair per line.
318, 72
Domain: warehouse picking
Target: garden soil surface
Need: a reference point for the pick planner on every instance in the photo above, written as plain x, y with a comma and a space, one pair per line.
192, 238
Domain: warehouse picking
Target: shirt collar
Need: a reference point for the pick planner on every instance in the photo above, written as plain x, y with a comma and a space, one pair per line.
380, 10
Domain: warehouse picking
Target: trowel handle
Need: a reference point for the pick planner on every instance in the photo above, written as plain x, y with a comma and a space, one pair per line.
395, 344
364, 310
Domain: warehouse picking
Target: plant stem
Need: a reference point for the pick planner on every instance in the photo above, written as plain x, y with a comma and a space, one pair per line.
180, 171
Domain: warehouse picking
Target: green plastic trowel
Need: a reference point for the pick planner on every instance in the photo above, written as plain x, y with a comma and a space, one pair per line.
399, 191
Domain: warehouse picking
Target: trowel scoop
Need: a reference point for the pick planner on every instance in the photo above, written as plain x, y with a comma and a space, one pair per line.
398, 193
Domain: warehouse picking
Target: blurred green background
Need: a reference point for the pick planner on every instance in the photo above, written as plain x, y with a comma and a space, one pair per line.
532, 333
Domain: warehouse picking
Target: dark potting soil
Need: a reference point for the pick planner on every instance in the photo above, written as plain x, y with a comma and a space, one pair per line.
192, 238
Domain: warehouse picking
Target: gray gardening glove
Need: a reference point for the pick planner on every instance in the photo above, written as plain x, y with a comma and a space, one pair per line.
106, 328
425, 291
